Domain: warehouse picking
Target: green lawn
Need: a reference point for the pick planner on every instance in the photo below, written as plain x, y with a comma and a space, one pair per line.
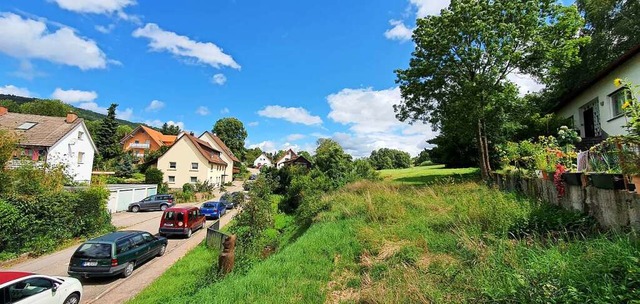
428, 174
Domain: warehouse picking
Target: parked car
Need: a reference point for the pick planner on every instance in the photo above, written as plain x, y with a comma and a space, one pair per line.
116, 253
253, 177
213, 210
153, 202
181, 221
26, 287
232, 199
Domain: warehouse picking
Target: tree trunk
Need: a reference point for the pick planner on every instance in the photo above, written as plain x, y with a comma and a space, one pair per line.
484, 170
486, 149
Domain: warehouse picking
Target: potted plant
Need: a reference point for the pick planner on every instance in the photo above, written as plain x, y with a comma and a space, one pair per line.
605, 171
566, 139
629, 146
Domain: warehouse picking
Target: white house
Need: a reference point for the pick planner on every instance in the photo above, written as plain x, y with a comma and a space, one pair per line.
596, 107
226, 154
52, 140
191, 160
262, 161
287, 156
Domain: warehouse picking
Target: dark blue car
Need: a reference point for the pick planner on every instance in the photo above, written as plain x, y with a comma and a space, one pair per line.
213, 209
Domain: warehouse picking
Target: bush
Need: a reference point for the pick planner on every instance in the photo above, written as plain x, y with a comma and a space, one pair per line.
188, 188
202, 187
153, 176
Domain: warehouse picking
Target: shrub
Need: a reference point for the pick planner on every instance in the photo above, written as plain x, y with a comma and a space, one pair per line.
188, 188
202, 187
153, 176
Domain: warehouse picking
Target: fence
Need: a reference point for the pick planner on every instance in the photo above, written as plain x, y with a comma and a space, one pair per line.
215, 237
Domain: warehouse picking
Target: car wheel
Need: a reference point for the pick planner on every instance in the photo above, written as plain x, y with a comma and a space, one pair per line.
129, 269
163, 207
73, 298
163, 249
135, 208
189, 233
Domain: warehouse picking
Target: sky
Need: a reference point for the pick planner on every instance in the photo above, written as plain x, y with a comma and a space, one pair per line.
291, 71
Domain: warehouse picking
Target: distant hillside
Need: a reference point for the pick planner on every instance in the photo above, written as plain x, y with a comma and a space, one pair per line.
82, 113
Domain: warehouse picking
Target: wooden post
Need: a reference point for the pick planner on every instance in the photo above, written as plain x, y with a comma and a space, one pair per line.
227, 257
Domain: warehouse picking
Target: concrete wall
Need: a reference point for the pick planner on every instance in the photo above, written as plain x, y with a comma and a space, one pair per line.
613, 209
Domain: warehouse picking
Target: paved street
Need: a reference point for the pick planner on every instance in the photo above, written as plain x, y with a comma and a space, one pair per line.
118, 290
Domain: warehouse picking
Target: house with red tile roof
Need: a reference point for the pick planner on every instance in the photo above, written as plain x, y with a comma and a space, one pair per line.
284, 158
143, 140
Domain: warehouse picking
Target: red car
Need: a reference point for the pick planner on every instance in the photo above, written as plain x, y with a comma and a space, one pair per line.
181, 221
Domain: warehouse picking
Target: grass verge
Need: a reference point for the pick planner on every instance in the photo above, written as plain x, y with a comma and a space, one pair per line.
428, 174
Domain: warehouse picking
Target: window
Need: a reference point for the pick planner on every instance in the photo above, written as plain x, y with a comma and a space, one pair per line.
618, 98
93, 251
194, 179
147, 237
27, 288
137, 240
80, 135
172, 165
136, 142
123, 246
26, 125
194, 166
80, 157
172, 179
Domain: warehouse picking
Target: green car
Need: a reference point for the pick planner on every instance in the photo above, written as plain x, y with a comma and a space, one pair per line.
116, 253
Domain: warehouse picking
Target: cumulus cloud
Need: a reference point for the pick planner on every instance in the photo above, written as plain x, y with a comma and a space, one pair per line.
31, 39
13, 90
219, 79
399, 31
184, 47
202, 110
253, 124
429, 7
265, 146
94, 6
154, 106
294, 115
74, 96
105, 29
372, 122
295, 137
526, 83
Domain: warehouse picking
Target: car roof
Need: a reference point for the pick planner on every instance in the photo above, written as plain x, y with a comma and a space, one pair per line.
114, 236
180, 208
8, 276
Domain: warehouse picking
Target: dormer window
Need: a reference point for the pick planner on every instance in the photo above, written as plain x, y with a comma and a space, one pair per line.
26, 125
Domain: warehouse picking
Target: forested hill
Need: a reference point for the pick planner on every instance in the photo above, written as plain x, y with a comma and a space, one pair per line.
86, 114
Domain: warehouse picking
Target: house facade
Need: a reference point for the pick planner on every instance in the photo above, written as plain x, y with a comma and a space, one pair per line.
262, 161
191, 160
284, 158
54, 141
226, 154
143, 140
596, 108
299, 161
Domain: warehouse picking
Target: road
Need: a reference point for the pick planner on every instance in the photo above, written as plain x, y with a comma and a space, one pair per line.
118, 290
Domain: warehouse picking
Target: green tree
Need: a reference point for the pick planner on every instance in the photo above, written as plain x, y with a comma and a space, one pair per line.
422, 157
252, 154
232, 132
123, 130
46, 107
385, 158
106, 138
125, 166
11, 105
458, 71
93, 126
306, 155
331, 160
153, 176
168, 129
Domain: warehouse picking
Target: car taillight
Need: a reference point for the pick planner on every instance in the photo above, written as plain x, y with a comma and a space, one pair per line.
114, 262
215, 210
179, 224
170, 201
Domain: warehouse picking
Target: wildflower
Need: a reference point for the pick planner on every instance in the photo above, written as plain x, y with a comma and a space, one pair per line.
626, 104
617, 82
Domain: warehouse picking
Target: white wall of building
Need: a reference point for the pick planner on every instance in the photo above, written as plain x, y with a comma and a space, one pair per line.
262, 160
226, 158
286, 157
184, 153
67, 150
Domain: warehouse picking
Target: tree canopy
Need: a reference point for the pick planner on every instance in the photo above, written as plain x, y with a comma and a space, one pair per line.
168, 129
232, 132
385, 158
107, 139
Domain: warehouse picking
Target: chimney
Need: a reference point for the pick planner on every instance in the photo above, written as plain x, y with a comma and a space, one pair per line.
3, 111
191, 133
71, 117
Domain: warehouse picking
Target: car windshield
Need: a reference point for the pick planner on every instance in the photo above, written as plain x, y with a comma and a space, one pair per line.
173, 216
208, 205
93, 250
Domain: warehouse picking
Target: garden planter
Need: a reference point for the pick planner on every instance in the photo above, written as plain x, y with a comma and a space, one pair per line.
636, 182
572, 178
607, 181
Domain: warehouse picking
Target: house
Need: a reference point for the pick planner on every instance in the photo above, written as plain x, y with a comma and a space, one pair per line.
191, 160
227, 155
298, 161
262, 161
595, 108
53, 141
287, 156
143, 140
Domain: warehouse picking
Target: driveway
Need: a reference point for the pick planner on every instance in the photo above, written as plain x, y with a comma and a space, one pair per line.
118, 290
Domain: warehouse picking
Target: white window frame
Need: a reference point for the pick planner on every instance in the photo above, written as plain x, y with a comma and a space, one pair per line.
80, 157
80, 137
196, 166
172, 179
192, 181
616, 110
175, 165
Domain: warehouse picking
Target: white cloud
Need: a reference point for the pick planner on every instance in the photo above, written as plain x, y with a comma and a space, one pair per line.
253, 124
295, 137
224, 111
105, 29
154, 106
13, 90
30, 39
27, 71
265, 146
526, 83
429, 7
182, 46
158, 123
73, 96
219, 79
372, 122
202, 110
176, 123
94, 6
126, 114
294, 115
399, 31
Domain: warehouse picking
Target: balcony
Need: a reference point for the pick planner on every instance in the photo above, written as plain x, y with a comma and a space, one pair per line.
139, 146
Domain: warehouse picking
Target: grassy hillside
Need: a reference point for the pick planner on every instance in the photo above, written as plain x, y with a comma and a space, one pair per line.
82, 113
387, 242
427, 174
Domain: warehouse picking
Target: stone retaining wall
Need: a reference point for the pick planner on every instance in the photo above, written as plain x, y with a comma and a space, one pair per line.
613, 209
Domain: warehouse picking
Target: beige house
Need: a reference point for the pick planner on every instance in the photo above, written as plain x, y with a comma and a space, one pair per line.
226, 154
191, 160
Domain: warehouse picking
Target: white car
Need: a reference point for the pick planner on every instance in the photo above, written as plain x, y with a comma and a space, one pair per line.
27, 288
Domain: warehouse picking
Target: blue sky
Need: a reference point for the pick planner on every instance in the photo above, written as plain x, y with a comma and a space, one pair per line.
292, 71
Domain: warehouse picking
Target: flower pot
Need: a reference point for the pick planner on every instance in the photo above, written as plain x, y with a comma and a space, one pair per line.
607, 181
572, 178
636, 182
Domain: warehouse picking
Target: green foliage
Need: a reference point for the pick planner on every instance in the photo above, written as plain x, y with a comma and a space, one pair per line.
232, 132
123, 130
331, 160
107, 139
188, 188
362, 169
429, 175
153, 176
8, 144
423, 157
11, 105
168, 129
202, 187
46, 107
125, 166
251, 155
385, 158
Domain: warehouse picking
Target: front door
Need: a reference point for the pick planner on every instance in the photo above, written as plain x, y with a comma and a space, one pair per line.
589, 125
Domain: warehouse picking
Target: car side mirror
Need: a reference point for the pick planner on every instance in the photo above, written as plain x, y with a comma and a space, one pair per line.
55, 287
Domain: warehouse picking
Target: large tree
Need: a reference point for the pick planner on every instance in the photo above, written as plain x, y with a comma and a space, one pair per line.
331, 160
386, 158
232, 132
106, 138
457, 75
168, 129
252, 154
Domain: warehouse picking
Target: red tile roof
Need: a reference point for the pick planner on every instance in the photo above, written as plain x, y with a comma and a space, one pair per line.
223, 146
206, 150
